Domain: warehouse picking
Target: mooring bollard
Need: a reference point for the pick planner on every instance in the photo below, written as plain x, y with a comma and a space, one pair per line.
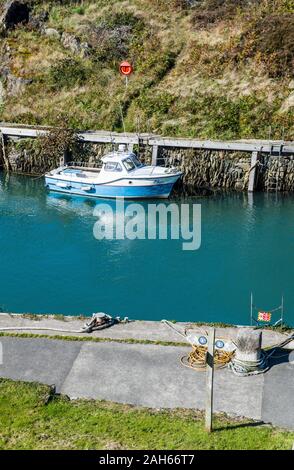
248, 359
248, 344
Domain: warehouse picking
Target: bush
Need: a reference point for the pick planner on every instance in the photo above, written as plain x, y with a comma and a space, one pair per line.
112, 37
270, 40
155, 103
67, 73
157, 63
211, 12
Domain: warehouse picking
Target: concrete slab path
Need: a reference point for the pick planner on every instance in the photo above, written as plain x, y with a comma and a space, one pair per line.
139, 330
147, 375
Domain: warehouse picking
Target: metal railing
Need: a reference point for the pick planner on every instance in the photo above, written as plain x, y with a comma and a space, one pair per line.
84, 165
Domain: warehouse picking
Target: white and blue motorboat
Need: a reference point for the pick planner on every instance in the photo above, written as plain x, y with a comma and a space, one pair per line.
122, 175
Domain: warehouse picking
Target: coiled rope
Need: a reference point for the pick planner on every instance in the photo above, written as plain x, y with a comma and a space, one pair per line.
245, 368
196, 359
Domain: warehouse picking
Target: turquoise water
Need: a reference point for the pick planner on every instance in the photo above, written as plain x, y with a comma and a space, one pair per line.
51, 262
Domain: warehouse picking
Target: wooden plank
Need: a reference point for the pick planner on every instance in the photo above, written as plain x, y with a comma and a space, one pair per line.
22, 132
209, 380
232, 146
270, 147
108, 138
203, 144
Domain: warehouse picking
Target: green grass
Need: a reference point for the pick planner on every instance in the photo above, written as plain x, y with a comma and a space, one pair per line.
32, 417
95, 339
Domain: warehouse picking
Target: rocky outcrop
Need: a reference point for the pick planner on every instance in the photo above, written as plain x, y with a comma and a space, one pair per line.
16, 85
11, 84
13, 13
75, 45
52, 33
37, 22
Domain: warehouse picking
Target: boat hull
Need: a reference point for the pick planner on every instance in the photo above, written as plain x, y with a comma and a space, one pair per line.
132, 191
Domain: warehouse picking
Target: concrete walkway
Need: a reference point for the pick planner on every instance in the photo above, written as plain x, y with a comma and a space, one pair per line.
147, 375
139, 330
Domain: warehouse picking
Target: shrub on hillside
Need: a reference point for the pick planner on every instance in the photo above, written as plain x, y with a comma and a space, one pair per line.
67, 73
155, 103
112, 36
269, 40
210, 12
178, 5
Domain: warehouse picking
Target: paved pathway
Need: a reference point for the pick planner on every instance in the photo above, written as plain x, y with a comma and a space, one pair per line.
142, 330
147, 375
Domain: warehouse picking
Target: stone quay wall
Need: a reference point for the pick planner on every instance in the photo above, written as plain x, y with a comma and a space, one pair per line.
203, 170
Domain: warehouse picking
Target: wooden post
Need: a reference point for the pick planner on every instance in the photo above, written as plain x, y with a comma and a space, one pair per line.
154, 155
252, 171
65, 158
5, 159
209, 380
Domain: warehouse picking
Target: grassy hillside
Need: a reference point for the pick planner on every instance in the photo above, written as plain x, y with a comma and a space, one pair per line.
210, 68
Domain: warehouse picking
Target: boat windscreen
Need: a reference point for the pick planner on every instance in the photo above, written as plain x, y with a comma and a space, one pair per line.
137, 162
129, 164
112, 166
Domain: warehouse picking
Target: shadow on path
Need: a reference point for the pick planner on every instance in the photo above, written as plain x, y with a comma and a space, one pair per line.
239, 425
279, 356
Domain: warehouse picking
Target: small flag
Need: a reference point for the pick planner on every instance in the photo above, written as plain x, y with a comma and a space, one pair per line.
264, 316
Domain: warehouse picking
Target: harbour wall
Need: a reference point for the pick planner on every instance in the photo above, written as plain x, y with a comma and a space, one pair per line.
204, 170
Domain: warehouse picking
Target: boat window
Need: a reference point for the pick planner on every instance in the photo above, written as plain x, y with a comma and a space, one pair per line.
129, 164
137, 162
112, 166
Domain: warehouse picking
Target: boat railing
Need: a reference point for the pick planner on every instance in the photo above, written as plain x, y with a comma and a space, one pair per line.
95, 165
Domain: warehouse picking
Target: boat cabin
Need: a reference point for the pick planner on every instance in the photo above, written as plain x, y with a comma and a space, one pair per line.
121, 161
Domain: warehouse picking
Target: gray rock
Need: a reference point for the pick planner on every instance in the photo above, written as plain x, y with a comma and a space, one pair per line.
15, 85
75, 45
37, 21
13, 13
51, 32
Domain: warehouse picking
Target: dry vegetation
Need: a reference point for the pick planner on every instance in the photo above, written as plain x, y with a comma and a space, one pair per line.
211, 68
